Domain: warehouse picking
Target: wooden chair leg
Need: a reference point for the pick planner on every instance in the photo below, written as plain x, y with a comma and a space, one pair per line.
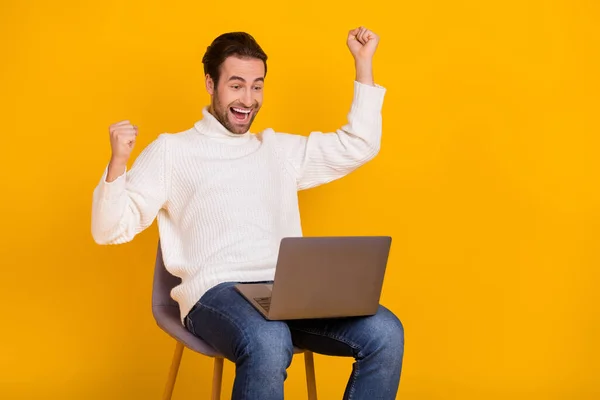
217, 379
311, 383
173, 371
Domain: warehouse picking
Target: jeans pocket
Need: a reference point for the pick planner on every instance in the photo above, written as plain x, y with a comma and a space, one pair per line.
189, 324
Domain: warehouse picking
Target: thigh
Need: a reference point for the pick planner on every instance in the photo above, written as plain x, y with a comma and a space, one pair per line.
347, 337
228, 322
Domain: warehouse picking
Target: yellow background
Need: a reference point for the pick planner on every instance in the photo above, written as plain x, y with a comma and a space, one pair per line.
487, 180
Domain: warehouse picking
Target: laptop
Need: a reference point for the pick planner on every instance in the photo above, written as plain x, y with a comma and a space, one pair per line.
323, 277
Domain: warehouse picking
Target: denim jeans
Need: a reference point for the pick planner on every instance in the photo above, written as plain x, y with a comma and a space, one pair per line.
262, 350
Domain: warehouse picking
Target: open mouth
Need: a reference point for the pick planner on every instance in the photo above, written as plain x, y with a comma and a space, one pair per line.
241, 114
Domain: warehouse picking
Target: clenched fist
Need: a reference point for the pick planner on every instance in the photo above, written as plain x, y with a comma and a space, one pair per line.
362, 43
122, 140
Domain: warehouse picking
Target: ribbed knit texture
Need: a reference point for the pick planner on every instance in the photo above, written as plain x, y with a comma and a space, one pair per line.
224, 201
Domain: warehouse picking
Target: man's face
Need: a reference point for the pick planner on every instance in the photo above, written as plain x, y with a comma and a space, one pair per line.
239, 93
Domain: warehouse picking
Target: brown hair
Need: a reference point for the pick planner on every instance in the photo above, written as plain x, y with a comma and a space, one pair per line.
240, 44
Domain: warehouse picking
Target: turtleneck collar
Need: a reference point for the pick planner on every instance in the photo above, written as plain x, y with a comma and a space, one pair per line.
209, 126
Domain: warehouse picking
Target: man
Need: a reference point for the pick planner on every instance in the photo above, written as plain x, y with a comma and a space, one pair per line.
224, 198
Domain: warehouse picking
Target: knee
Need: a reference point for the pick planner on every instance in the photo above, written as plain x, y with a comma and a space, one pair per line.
387, 336
270, 348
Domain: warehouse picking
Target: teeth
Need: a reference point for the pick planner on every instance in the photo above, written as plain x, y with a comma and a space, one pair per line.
241, 110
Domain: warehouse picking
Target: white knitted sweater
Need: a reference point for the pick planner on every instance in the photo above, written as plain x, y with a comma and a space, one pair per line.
224, 201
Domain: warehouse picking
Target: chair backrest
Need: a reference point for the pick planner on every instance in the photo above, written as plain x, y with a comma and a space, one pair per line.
163, 283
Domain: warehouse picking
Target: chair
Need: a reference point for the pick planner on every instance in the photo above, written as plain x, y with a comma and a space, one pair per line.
166, 313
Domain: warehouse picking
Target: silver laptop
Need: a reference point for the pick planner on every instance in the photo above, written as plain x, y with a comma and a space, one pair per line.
323, 277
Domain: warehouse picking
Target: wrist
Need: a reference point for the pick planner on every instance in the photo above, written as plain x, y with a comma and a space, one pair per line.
364, 71
116, 167
118, 162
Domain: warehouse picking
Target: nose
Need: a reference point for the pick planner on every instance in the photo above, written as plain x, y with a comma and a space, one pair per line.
247, 98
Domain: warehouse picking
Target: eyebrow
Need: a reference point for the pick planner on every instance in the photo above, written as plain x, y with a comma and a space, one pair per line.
239, 78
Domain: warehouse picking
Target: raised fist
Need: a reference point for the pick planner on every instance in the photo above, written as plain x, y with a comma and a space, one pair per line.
362, 43
122, 140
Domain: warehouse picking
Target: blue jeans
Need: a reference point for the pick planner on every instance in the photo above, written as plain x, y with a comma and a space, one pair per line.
262, 350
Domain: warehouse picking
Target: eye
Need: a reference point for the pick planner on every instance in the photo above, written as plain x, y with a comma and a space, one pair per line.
258, 88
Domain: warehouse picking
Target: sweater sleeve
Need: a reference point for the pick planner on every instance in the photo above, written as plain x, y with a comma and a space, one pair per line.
323, 157
126, 206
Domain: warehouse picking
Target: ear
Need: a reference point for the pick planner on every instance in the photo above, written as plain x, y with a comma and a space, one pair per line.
210, 85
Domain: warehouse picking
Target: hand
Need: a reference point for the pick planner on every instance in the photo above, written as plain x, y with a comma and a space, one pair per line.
122, 140
362, 44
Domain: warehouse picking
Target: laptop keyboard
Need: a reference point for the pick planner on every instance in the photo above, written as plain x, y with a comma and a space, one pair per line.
264, 302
